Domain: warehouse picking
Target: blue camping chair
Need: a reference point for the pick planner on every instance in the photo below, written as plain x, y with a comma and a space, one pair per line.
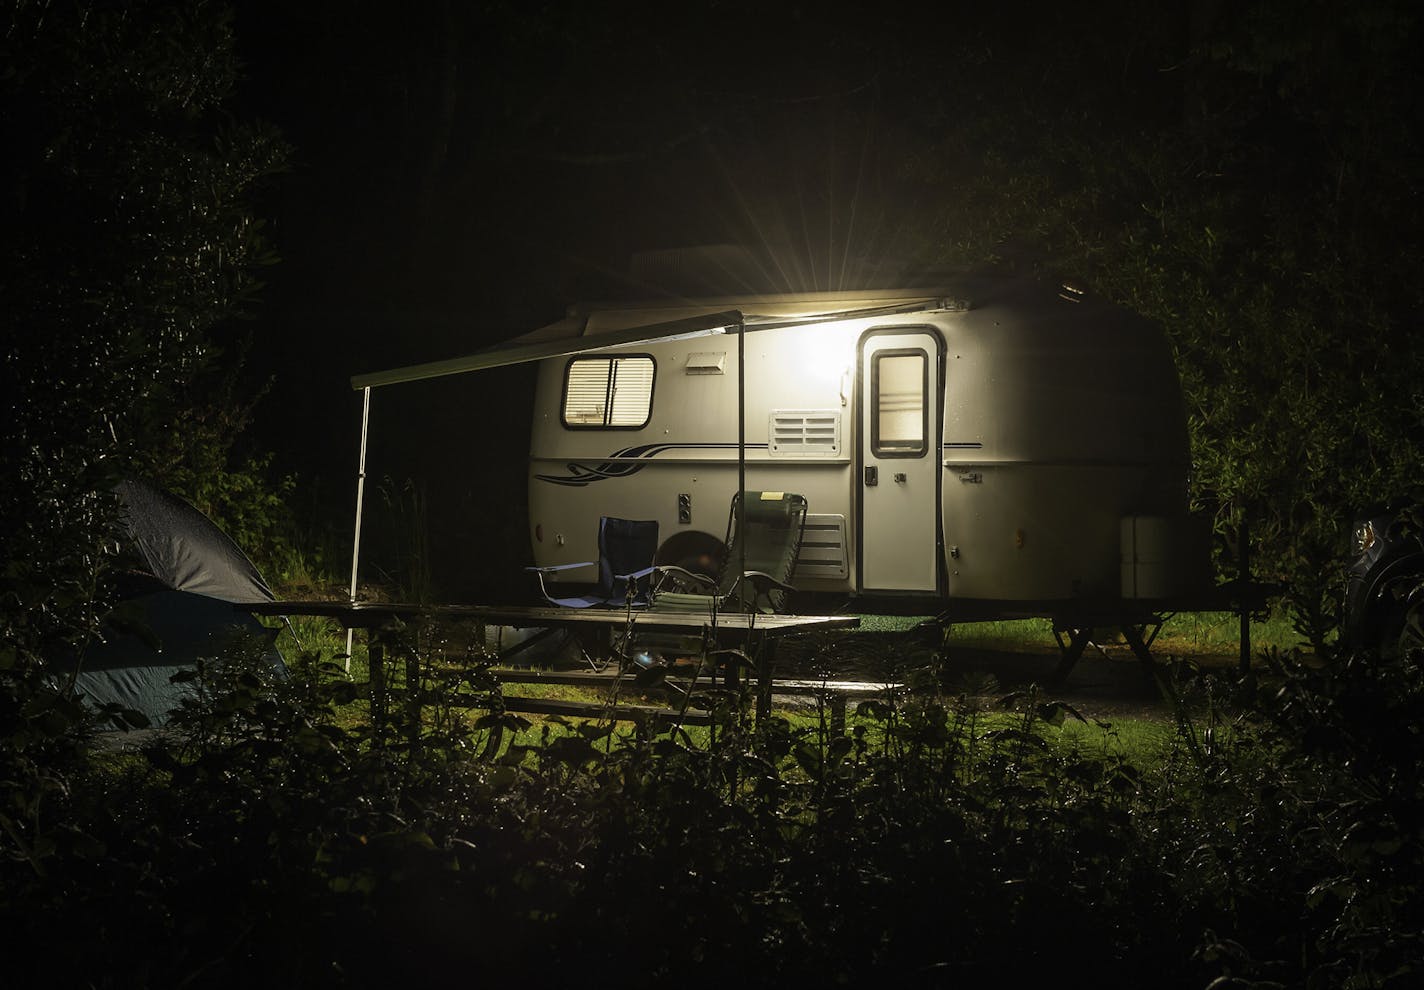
625, 562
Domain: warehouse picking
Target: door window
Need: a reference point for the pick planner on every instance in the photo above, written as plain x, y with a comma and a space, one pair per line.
899, 380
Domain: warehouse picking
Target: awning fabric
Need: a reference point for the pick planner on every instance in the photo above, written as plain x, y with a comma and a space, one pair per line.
519, 353
600, 329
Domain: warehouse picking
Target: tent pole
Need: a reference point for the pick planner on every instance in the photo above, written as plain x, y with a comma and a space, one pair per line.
360, 498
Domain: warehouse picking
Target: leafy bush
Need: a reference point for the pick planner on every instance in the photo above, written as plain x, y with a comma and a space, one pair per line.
1352, 757
271, 836
129, 246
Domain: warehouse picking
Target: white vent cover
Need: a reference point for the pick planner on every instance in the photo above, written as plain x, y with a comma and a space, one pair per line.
823, 548
706, 363
805, 432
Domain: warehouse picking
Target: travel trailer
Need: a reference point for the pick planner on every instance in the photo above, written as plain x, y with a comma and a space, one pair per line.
990, 448
1006, 446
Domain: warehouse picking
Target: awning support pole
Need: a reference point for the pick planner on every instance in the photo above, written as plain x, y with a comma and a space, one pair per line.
742, 458
360, 499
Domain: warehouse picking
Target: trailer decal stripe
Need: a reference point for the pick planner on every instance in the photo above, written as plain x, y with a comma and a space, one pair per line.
581, 475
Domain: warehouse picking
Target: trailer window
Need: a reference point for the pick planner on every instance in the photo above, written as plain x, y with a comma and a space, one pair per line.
608, 392
899, 380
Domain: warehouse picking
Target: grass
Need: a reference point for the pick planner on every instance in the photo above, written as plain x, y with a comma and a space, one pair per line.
1133, 738
890, 623
1184, 633
1203, 636
1219, 632
1137, 739
1191, 633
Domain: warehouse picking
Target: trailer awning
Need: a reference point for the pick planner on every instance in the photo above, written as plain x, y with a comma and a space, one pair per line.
586, 335
517, 353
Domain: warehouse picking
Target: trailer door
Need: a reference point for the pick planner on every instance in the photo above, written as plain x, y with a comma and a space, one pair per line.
899, 469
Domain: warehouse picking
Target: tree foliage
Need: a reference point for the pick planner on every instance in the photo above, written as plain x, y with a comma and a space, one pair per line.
1265, 214
129, 247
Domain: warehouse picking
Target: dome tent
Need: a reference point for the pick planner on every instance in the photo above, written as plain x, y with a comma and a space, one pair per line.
180, 598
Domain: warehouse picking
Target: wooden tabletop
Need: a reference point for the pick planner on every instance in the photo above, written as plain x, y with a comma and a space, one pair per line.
368, 614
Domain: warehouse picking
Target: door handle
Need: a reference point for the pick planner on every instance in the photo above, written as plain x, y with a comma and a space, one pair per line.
872, 476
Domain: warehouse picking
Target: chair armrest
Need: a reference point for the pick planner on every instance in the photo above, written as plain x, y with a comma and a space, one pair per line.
632, 595
764, 581
542, 572
551, 568
682, 574
635, 575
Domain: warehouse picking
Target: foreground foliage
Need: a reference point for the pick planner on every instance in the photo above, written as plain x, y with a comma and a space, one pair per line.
275, 840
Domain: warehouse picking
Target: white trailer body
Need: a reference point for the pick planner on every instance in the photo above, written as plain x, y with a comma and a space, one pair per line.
995, 442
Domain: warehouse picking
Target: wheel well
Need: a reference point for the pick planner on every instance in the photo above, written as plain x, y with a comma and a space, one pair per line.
693, 550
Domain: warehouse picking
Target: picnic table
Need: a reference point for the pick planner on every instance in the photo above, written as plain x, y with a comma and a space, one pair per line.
754, 633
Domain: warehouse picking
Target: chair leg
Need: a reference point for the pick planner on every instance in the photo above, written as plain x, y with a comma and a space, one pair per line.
596, 665
595, 652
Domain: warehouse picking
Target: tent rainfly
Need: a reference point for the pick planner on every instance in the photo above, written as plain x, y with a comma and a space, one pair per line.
178, 607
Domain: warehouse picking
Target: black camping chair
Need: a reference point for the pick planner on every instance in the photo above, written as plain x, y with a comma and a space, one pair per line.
625, 563
770, 526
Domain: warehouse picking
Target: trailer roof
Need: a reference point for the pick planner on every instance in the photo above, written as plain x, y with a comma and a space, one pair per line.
595, 327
